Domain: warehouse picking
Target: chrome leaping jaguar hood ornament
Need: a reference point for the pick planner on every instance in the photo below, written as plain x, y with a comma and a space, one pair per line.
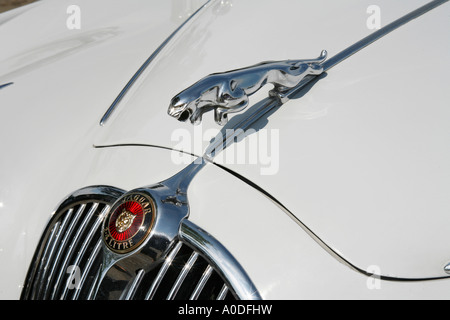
229, 92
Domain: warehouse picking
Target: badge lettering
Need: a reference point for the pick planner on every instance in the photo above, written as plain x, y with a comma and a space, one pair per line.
129, 222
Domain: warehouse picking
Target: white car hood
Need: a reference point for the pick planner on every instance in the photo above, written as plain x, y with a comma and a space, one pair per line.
362, 158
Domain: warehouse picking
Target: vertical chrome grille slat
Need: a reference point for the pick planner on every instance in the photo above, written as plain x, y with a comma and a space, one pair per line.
62, 246
51, 243
42, 271
88, 268
201, 283
131, 290
223, 293
48, 252
162, 272
187, 267
88, 239
90, 294
72, 237
217, 255
71, 247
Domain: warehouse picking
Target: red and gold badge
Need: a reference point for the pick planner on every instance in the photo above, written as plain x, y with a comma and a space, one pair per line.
129, 222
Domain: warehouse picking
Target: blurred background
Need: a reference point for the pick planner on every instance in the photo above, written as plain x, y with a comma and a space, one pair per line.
6, 5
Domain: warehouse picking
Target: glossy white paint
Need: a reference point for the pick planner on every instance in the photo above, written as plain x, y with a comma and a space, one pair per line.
363, 155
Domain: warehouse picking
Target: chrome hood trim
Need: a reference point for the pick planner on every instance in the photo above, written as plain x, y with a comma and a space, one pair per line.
138, 73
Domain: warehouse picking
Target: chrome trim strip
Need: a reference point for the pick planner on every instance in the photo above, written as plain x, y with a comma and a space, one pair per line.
129, 293
144, 66
95, 283
162, 272
187, 267
201, 283
354, 48
223, 293
221, 258
87, 268
344, 54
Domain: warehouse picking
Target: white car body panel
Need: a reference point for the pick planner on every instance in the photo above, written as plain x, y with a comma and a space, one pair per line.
363, 170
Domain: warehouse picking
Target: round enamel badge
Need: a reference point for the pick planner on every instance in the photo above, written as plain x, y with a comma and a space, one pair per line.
129, 222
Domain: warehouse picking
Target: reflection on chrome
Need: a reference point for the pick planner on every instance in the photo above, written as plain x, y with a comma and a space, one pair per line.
229, 92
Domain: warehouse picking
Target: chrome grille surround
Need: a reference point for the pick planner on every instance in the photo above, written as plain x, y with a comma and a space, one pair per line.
72, 261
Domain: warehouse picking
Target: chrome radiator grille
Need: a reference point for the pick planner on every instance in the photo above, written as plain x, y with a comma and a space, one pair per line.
183, 275
68, 261
72, 243
69, 250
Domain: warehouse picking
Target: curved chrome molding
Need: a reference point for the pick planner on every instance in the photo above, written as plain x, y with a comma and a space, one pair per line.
106, 193
222, 259
229, 92
344, 54
6, 85
144, 66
